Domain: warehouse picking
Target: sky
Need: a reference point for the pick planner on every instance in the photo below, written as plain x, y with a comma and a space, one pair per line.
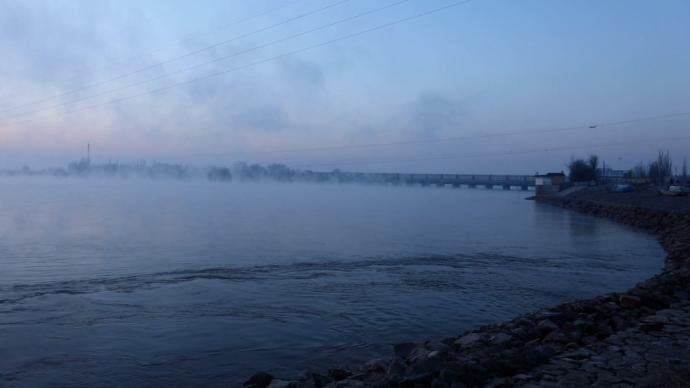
483, 86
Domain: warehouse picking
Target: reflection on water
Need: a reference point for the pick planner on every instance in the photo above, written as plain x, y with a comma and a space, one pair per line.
138, 283
582, 226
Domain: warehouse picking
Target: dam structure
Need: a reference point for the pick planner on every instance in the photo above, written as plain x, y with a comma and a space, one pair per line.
492, 181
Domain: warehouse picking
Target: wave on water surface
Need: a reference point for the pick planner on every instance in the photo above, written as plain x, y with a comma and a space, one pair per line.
294, 271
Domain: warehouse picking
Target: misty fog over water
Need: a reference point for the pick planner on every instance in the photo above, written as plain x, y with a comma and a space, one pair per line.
138, 282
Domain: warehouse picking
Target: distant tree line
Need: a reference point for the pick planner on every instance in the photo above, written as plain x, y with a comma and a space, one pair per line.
253, 172
659, 171
125, 170
240, 171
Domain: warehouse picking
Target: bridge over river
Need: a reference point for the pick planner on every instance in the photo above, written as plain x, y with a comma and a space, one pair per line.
506, 182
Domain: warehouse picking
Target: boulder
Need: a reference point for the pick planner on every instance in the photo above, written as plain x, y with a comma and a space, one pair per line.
468, 340
276, 383
546, 326
259, 380
377, 366
339, 374
501, 338
404, 349
320, 380
629, 301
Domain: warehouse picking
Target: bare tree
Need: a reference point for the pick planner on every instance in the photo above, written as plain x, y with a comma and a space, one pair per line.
594, 165
639, 171
661, 168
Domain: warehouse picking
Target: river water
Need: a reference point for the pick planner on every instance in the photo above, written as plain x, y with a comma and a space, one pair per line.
146, 283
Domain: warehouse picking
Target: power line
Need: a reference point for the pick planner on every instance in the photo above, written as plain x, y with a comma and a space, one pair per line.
594, 125
224, 26
496, 154
225, 57
185, 55
591, 126
274, 58
182, 38
179, 39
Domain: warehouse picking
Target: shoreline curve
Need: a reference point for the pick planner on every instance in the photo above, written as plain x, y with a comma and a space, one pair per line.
640, 337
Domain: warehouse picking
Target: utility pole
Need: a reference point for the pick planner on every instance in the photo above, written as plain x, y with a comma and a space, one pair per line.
88, 152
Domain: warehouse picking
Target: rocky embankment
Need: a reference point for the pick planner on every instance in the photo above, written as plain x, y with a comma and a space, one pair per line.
640, 337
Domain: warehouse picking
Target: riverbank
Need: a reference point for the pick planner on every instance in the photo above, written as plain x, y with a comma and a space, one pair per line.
640, 337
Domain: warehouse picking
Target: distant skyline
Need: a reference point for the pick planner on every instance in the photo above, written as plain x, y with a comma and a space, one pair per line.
430, 94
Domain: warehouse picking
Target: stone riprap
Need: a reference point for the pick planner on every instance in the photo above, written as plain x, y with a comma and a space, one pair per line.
640, 337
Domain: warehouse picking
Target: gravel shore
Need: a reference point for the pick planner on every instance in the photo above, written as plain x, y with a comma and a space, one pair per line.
640, 337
